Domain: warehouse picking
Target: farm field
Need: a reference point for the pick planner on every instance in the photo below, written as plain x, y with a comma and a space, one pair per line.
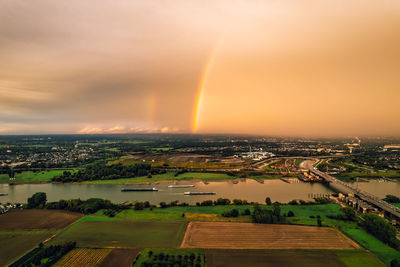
83, 257
105, 232
121, 257
14, 244
37, 219
261, 236
374, 245
32, 177
294, 258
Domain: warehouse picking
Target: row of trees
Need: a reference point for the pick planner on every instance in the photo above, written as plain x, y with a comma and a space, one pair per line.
92, 205
102, 171
392, 199
224, 202
161, 259
44, 256
381, 229
261, 215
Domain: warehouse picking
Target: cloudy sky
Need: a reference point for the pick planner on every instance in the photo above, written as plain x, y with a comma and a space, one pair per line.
262, 67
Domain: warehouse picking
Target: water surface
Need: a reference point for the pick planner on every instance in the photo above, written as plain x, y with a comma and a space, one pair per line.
248, 189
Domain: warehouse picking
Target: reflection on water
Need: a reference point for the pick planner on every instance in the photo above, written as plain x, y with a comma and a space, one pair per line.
379, 188
250, 190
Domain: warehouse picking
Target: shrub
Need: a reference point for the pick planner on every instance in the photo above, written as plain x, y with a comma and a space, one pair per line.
231, 213
246, 212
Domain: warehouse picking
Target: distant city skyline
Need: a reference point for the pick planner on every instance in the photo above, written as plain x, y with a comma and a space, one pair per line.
292, 68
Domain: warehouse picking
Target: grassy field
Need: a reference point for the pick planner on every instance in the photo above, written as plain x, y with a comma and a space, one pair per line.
302, 213
380, 249
104, 232
302, 217
31, 177
293, 258
361, 173
144, 255
298, 162
14, 244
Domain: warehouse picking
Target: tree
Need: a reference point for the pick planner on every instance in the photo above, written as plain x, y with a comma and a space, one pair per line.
290, 213
348, 214
319, 221
138, 206
268, 201
277, 211
391, 199
246, 212
395, 263
37, 200
231, 213
380, 228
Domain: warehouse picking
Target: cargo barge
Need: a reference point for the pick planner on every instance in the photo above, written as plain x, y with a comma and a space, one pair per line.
138, 189
181, 186
3, 194
199, 193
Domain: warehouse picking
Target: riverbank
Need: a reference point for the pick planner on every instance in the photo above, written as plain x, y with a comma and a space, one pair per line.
189, 176
30, 177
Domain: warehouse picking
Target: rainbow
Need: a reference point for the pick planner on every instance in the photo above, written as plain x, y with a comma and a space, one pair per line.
202, 87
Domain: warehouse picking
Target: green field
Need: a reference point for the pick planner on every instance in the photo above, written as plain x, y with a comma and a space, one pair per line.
144, 255
104, 232
31, 177
380, 249
302, 217
302, 213
14, 244
348, 176
162, 148
296, 258
298, 162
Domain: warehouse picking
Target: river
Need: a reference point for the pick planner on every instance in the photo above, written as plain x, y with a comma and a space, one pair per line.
248, 189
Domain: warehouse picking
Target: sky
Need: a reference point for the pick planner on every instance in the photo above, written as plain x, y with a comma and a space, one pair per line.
293, 68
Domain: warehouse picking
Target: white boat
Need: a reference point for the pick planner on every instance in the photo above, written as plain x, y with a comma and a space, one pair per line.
180, 186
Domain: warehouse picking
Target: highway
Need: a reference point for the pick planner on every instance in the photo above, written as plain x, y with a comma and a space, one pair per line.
367, 197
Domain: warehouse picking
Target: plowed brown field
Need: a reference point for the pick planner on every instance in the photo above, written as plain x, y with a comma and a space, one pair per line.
263, 236
37, 219
121, 257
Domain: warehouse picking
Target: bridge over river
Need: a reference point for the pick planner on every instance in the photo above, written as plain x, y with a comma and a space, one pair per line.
365, 196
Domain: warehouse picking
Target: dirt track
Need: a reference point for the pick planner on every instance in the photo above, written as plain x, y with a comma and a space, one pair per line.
263, 236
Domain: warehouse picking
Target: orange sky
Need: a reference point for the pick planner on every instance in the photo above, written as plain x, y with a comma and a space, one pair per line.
260, 67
